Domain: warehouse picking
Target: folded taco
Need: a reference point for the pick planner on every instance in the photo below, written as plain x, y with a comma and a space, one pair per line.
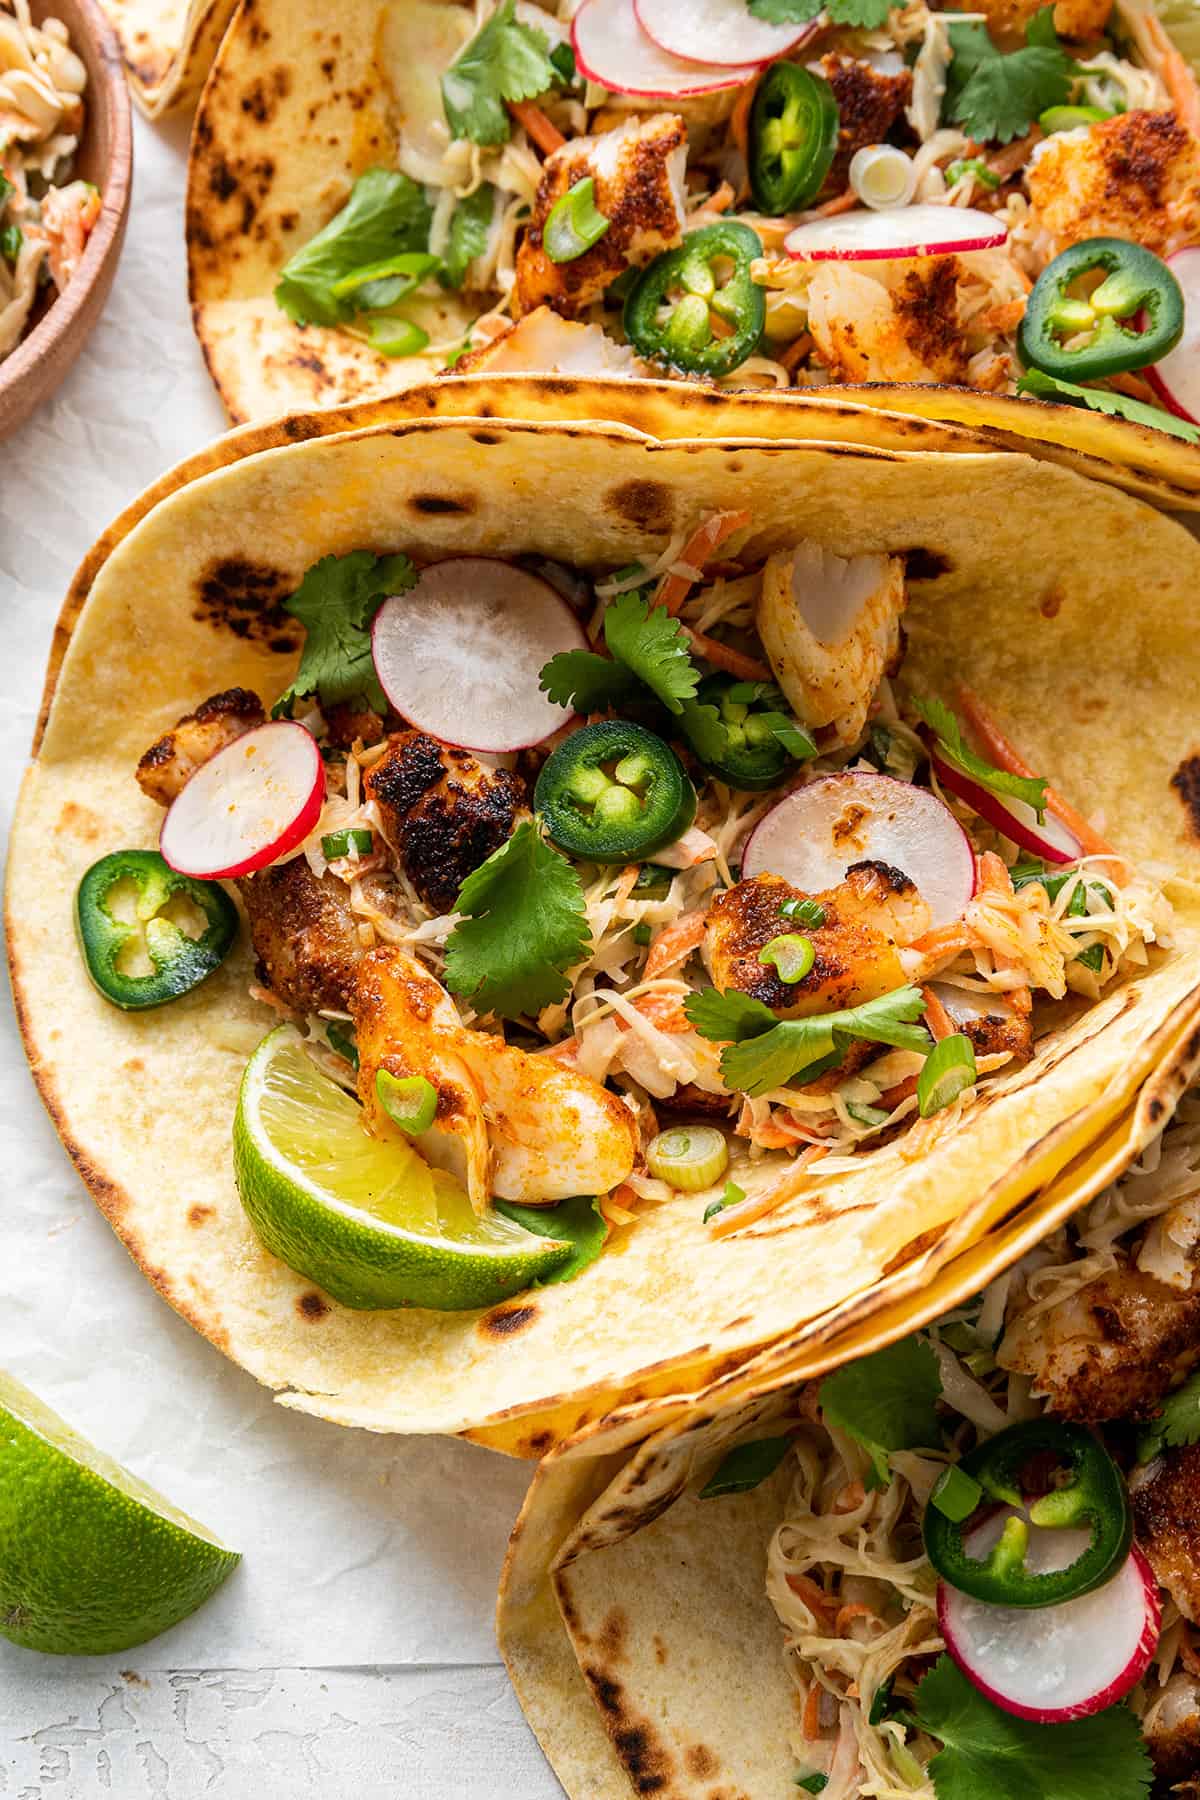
168, 46
897, 197
964, 1563
602, 924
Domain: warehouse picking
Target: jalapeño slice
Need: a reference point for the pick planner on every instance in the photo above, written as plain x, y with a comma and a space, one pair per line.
1132, 317
614, 793
793, 137
697, 308
132, 908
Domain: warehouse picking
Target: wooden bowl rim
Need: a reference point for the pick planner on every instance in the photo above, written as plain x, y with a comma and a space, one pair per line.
105, 236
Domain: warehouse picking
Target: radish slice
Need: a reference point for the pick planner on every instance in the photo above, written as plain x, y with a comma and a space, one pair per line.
1054, 1663
813, 836
1051, 840
923, 230
1176, 379
247, 806
460, 654
612, 50
718, 31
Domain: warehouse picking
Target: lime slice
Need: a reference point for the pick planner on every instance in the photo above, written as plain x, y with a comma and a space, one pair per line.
367, 1219
91, 1559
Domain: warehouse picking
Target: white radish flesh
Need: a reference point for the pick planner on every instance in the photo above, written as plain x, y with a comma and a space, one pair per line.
718, 31
459, 655
1176, 378
814, 836
248, 805
1054, 1663
612, 50
900, 231
1050, 839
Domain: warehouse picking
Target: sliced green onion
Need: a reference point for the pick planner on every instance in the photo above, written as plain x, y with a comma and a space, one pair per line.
574, 224
733, 1193
341, 843
881, 1700
343, 1043
866, 1115
642, 935
410, 1101
402, 272
948, 1069
11, 240
812, 1784
1092, 958
688, 1157
972, 166
395, 337
805, 912
956, 1494
792, 956
791, 735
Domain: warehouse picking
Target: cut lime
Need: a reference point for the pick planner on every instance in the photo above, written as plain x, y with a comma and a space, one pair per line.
367, 1219
91, 1559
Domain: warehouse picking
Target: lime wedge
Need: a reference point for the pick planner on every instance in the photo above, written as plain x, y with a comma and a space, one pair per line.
367, 1219
91, 1559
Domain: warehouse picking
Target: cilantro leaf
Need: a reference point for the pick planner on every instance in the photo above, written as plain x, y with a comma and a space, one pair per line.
525, 925
386, 215
746, 1466
651, 643
468, 234
335, 603
1001, 96
1120, 406
886, 1402
577, 1222
584, 681
951, 745
992, 1755
1177, 1424
767, 1053
505, 60
867, 14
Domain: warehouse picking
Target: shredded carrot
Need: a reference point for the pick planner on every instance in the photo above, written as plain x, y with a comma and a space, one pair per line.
903, 1090
1005, 316
674, 944
614, 1207
796, 351
722, 200
747, 1212
700, 549
936, 1017
1178, 78
812, 1593
1004, 754
1126, 382
839, 204
854, 1609
1007, 162
538, 128
993, 874
810, 1723
851, 1497
945, 942
664, 1010
734, 662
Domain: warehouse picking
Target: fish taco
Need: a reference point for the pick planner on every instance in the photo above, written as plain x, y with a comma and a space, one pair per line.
168, 47
962, 1561
870, 196
596, 878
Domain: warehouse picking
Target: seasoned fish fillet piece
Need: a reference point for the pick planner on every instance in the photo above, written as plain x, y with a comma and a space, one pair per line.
868, 102
542, 343
899, 322
1109, 1351
866, 916
1133, 176
995, 1023
508, 1124
304, 935
176, 756
443, 812
1165, 1496
1007, 19
1171, 1727
830, 626
637, 170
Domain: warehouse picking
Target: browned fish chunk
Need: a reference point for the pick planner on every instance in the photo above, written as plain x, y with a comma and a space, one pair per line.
1166, 1520
304, 935
868, 106
176, 756
1171, 1728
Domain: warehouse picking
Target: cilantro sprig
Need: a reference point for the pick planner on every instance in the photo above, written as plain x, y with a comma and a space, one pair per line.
645, 645
1177, 1424
1117, 406
954, 749
525, 925
505, 60
387, 215
469, 229
992, 1755
886, 1402
336, 603
764, 1053
996, 97
868, 15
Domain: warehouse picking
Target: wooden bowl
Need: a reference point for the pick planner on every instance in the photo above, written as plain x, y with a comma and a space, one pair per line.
105, 156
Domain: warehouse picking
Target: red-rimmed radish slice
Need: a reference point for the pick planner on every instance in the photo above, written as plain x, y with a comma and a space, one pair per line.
1054, 1663
718, 31
813, 837
1176, 378
1051, 839
459, 655
612, 50
922, 230
248, 805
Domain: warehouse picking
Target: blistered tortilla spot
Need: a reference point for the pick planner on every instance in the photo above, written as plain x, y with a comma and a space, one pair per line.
245, 597
537, 1443
613, 1633
77, 821
507, 1321
924, 1240
1186, 782
463, 504
260, 101
922, 564
1155, 1110
311, 1306
736, 1324
650, 505
133, 1065
701, 1762
1051, 603
660, 1650
485, 437
200, 1215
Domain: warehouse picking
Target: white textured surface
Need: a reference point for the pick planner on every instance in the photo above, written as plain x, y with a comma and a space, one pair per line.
352, 1653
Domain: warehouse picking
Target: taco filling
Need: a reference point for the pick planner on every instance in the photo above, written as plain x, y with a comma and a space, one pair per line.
657, 885
869, 193
989, 1547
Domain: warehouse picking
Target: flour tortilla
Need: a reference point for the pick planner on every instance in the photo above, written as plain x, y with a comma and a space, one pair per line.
168, 46
183, 600
633, 1616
